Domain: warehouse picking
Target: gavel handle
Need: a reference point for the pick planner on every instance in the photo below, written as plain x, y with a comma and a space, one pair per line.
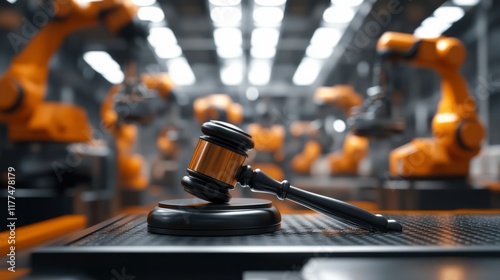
347, 213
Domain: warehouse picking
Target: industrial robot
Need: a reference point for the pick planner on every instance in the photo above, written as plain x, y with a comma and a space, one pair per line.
354, 149
121, 124
218, 107
41, 133
441, 161
269, 138
22, 107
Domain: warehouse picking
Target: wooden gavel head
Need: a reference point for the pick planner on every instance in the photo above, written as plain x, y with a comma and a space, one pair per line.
217, 161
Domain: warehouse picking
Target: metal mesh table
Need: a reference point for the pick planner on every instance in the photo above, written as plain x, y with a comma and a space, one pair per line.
125, 242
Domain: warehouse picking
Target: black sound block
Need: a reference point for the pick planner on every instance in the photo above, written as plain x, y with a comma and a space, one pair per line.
195, 217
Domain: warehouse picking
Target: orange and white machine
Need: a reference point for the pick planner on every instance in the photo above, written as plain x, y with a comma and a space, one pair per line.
354, 149
269, 142
457, 131
130, 165
217, 106
55, 128
27, 115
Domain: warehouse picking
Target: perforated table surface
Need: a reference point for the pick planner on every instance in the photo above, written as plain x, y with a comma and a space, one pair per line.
125, 242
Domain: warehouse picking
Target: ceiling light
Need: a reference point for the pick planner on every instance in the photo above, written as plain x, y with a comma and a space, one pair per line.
435, 24
115, 77
465, 2
265, 37
433, 21
252, 93
229, 52
232, 73
225, 2
105, 65
153, 14
428, 32
268, 15
339, 126
270, 2
227, 37
347, 3
226, 16
144, 2
180, 71
307, 71
260, 72
262, 52
172, 51
161, 36
336, 14
319, 51
12, 1
449, 14
328, 37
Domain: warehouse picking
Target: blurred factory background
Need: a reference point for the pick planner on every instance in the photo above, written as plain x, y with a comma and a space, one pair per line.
269, 57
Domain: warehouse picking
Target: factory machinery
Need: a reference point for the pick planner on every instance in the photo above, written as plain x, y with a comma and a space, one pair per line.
211, 222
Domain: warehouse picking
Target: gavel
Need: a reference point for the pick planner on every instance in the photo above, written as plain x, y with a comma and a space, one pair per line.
217, 165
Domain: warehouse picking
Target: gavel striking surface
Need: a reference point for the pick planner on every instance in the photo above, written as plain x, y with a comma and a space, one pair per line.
125, 242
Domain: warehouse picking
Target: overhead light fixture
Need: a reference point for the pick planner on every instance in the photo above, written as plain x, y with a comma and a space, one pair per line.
105, 65
339, 15
435, 25
232, 72
12, 1
429, 31
449, 13
434, 22
259, 72
263, 52
151, 13
180, 71
229, 52
307, 71
161, 36
466, 2
339, 126
227, 37
226, 16
328, 37
252, 93
225, 2
265, 37
143, 3
268, 16
168, 52
270, 3
319, 51
115, 77
347, 3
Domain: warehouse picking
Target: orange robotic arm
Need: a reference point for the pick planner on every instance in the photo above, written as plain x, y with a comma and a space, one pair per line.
346, 161
23, 85
129, 163
457, 132
218, 107
161, 83
340, 96
354, 149
269, 140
